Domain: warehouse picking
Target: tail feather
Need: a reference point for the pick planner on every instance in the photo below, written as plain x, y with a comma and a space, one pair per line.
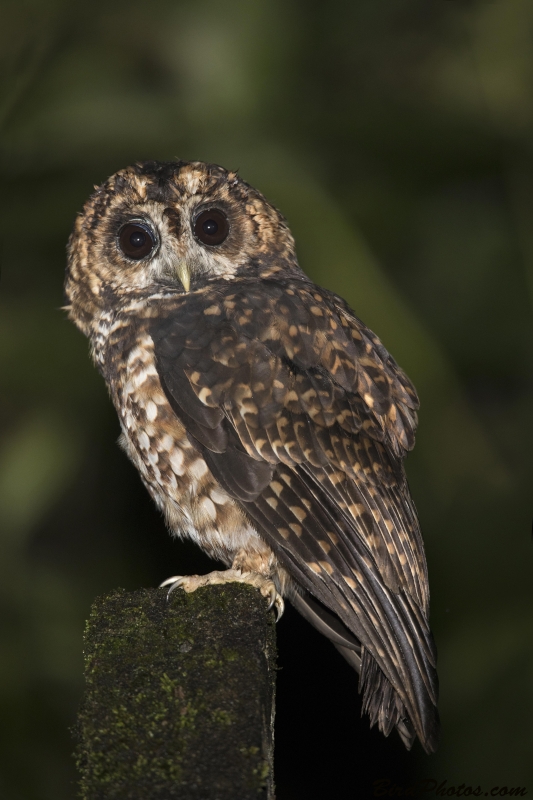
380, 700
385, 708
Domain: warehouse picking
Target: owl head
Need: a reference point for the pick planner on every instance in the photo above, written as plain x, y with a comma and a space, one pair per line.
174, 225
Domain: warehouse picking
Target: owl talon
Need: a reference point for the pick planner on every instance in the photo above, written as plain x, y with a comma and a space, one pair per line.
276, 600
190, 583
174, 583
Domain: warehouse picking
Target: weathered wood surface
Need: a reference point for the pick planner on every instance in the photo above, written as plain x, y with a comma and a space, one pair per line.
179, 701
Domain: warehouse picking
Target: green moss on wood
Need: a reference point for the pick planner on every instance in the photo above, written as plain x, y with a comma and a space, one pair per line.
179, 699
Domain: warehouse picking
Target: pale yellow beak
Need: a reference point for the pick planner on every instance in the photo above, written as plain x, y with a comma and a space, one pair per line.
184, 275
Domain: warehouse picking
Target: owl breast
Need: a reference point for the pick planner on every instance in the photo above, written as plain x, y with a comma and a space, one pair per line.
171, 466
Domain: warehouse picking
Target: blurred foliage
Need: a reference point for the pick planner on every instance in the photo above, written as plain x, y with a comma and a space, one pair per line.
397, 138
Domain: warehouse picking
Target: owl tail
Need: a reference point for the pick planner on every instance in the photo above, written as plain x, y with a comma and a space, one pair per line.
380, 700
382, 704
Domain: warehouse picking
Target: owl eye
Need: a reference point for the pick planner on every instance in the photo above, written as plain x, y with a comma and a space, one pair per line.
211, 227
136, 241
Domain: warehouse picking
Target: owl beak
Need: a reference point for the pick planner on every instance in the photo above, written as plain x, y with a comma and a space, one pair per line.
184, 275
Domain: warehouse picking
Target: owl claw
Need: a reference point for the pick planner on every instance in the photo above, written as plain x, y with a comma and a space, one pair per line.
277, 601
174, 583
265, 585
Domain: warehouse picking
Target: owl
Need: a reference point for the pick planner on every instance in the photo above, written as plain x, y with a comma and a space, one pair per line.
267, 422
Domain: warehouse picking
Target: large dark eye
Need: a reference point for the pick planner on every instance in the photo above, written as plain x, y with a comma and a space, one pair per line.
211, 227
136, 241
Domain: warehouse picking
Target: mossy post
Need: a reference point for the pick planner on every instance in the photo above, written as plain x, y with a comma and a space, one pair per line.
180, 696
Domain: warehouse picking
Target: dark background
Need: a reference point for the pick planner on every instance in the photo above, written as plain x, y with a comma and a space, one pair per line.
396, 137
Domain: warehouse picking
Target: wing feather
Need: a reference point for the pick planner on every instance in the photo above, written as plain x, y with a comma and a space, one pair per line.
304, 418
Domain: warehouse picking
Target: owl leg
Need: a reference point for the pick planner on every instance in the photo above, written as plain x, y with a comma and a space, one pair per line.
267, 587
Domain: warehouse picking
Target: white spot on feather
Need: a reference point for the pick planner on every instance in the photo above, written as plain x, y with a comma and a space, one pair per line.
205, 394
218, 497
176, 461
208, 508
198, 468
166, 443
144, 441
151, 411
153, 457
140, 377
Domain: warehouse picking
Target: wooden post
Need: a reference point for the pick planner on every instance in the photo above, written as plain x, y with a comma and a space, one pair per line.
180, 696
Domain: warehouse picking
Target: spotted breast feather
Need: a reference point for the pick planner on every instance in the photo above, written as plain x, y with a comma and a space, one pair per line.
304, 419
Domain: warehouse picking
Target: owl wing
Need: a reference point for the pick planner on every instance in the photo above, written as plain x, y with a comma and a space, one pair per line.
304, 418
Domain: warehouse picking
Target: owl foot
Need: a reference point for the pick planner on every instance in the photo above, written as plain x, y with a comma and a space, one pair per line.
266, 586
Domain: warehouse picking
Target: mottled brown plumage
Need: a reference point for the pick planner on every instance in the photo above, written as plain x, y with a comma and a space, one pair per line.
267, 422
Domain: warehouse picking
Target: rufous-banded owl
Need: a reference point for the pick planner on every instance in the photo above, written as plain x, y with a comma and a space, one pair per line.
268, 423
